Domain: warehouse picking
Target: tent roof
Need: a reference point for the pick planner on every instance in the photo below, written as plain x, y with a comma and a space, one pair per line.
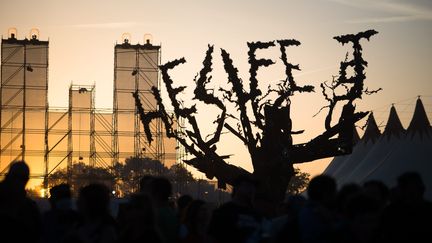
339, 160
372, 132
420, 122
356, 136
394, 126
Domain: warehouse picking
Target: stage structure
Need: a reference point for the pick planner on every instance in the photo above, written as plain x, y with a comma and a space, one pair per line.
135, 69
50, 138
24, 101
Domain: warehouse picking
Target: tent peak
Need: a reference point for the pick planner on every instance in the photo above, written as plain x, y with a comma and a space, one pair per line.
394, 126
419, 122
372, 132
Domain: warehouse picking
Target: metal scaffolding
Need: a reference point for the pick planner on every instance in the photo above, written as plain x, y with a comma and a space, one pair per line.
52, 138
81, 122
23, 100
135, 69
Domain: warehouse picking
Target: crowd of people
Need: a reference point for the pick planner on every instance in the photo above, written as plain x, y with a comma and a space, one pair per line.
356, 213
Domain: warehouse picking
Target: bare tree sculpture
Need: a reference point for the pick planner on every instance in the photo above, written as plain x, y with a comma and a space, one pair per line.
267, 135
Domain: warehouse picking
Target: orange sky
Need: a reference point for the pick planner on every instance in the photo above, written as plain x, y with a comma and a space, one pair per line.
82, 35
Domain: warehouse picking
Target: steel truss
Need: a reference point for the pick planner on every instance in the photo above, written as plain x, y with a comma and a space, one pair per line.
50, 138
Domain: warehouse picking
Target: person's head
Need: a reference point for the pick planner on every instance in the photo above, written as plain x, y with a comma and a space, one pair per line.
322, 188
197, 217
183, 201
345, 193
378, 190
93, 200
145, 184
60, 196
140, 209
411, 186
18, 174
161, 189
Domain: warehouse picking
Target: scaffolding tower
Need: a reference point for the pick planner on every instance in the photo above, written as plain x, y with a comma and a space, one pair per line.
24, 101
81, 123
135, 69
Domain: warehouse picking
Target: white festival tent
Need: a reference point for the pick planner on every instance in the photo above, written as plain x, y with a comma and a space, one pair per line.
396, 151
386, 144
339, 161
360, 150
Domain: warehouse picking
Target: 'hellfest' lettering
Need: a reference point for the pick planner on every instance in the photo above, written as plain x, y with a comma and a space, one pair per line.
256, 63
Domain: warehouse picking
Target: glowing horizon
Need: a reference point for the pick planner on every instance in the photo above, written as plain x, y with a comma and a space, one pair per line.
82, 37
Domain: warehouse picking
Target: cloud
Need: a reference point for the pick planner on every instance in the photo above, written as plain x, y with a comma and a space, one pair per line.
113, 25
385, 19
394, 11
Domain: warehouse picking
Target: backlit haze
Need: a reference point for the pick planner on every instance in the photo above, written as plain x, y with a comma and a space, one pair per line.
82, 35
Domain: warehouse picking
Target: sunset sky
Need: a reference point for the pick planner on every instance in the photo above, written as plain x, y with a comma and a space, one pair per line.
83, 33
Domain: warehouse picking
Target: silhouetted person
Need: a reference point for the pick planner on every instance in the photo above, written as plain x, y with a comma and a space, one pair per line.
408, 218
345, 193
285, 228
61, 219
237, 221
144, 187
196, 219
182, 203
411, 188
360, 212
166, 219
20, 219
317, 219
145, 184
378, 190
97, 225
362, 215
139, 221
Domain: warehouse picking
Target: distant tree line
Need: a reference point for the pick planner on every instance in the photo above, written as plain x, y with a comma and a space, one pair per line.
123, 178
